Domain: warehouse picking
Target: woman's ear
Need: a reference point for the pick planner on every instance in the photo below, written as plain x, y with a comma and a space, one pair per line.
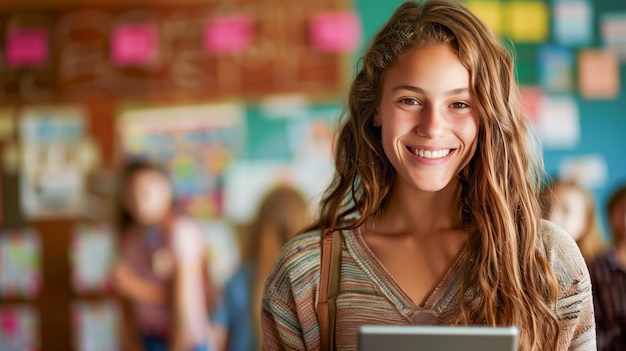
376, 119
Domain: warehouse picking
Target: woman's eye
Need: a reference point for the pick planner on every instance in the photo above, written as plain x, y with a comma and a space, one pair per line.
409, 101
459, 105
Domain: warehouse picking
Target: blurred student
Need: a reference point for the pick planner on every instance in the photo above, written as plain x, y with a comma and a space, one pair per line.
282, 212
161, 273
608, 277
573, 208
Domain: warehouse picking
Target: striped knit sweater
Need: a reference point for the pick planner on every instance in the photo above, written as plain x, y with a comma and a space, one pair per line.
369, 295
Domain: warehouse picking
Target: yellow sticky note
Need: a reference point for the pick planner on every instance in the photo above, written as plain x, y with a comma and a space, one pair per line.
528, 21
489, 12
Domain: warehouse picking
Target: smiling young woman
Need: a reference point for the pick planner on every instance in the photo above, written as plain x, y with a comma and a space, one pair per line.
435, 198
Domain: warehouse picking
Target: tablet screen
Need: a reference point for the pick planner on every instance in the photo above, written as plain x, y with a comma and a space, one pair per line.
440, 338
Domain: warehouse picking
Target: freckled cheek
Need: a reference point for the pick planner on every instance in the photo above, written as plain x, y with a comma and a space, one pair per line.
469, 133
469, 136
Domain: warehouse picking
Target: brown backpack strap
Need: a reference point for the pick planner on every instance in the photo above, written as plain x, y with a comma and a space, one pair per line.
329, 287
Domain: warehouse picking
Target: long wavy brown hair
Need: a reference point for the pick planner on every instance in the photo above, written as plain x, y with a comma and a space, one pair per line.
508, 281
282, 213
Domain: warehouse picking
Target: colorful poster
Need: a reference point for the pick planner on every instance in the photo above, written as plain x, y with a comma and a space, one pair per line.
572, 22
19, 328
195, 143
92, 251
54, 165
96, 325
20, 263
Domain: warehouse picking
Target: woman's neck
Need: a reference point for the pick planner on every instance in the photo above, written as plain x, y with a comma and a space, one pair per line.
419, 212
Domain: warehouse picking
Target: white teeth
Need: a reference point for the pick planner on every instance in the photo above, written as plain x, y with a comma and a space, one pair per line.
432, 153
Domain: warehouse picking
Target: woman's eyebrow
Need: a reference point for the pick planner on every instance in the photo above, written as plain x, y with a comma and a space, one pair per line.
457, 91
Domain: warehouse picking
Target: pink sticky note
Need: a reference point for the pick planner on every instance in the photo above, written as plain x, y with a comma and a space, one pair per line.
227, 34
531, 98
27, 47
335, 31
135, 44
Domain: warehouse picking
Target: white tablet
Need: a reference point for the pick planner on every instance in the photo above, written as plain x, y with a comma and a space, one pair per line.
440, 338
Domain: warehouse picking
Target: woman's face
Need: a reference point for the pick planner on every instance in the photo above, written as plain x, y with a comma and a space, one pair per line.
148, 197
429, 125
569, 211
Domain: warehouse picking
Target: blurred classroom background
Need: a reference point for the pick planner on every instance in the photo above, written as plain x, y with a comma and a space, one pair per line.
232, 97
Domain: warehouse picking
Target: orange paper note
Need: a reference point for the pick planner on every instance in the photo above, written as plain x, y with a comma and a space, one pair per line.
598, 74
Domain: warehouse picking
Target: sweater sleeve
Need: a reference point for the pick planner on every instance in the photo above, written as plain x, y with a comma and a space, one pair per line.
575, 303
288, 316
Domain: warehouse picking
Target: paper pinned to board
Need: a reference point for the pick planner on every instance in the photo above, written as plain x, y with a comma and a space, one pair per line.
556, 68
228, 33
20, 263
528, 21
573, 21
19, 327
95, 325
598, 74
490, 12
338, 31
613, 33
559, 124
135, 44
531, 99
27, 47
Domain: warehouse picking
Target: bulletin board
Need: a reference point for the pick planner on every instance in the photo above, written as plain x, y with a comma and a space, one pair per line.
103, 55
164, 51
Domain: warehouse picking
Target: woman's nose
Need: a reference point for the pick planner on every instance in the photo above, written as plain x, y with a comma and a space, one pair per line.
430, 122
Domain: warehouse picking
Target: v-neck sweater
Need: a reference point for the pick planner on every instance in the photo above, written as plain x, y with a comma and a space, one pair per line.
369, 295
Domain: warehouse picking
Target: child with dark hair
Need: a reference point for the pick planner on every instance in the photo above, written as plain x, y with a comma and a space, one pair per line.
608, 276
161, 274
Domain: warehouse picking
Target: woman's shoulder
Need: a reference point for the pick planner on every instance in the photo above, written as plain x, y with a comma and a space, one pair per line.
301, 249
562, 253
298, 261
